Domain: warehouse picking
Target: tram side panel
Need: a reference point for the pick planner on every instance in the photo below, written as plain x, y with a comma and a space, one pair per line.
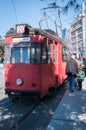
60, 69
29, 74
46, 78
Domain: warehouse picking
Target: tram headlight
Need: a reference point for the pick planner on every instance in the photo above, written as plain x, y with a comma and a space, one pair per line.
19, 82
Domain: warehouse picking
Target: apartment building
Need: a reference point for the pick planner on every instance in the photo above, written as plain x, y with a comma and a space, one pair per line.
78, 33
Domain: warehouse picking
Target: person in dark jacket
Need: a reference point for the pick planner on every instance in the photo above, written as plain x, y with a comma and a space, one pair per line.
71, 71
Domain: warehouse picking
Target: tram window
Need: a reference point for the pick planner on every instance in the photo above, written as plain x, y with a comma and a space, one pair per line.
65, 54
26, 55
16, 55
21, 53
7, 53
35, 53
53, 53
49, 53
44, 56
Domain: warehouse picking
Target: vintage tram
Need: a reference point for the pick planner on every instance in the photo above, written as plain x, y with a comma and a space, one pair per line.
35, 61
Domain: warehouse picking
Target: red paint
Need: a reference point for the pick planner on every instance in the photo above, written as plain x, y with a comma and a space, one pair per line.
39, 77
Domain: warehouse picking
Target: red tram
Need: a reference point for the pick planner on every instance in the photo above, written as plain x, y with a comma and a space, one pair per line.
35, 61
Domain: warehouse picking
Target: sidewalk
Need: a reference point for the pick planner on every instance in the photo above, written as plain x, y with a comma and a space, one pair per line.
71, 112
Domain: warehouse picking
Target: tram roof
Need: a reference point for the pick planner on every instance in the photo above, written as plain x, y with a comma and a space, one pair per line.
30, 30
49, 33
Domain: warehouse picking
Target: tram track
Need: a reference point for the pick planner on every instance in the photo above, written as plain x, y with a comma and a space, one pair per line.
20, 118
12, 115
37, 106
15, 126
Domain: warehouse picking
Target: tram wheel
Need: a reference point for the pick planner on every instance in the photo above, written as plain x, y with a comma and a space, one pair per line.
12, 97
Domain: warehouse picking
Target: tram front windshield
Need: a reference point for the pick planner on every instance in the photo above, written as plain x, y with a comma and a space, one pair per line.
23, 53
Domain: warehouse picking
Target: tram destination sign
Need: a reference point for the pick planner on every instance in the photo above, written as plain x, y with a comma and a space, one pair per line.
20, 28
21, 39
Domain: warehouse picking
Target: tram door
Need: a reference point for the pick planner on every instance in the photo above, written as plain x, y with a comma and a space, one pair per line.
54, 68
46, 65
60, 68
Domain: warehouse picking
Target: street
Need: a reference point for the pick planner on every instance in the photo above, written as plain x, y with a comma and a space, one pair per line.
26, 113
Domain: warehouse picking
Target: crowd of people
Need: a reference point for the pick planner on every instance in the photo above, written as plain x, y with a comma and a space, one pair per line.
76, 72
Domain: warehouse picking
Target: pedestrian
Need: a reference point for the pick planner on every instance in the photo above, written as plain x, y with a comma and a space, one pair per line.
79, 62
71, 72
84, 65
79, 66
80, 78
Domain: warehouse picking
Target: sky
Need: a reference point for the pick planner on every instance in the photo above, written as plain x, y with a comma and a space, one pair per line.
14, 12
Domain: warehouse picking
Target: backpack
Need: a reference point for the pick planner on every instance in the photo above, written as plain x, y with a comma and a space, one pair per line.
81, 75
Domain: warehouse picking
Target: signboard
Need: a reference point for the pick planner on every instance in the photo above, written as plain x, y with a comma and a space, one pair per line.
21, 39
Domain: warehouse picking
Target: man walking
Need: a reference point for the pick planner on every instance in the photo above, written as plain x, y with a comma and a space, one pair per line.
71, 71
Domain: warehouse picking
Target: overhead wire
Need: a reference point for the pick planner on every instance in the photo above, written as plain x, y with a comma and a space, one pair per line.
14, 10
53, 7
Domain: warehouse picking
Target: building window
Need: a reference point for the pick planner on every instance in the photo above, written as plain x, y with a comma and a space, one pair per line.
79, 30
80, 42
80, 22
74, 39
80, 36
73, 33
74, 26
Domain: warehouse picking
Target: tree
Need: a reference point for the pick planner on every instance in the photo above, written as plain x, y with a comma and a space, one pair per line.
70, 3
1, 48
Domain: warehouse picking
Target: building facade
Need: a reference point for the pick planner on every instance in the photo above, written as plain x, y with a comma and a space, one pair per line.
78, 33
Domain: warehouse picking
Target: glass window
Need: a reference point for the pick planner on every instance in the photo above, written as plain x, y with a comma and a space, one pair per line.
21, 53
73, 39
44, 56
16, 55
74, 26
35, 53
80, 22
73, 33
80, 36
65, 53
26, 55
80, 42
79, 30
49, 52
53, 52
7, 53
